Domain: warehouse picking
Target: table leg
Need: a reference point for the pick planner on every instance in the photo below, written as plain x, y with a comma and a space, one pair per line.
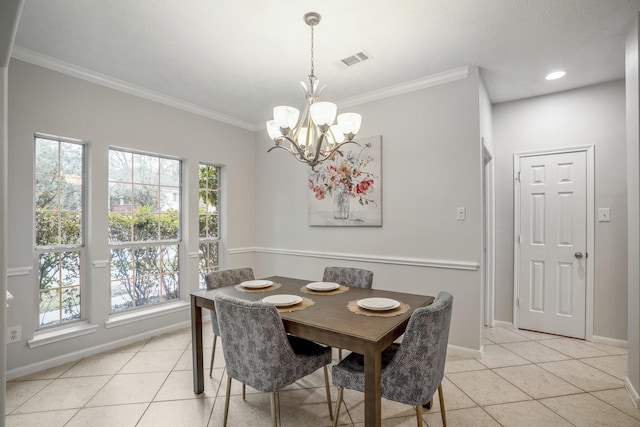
372, 394
196, 347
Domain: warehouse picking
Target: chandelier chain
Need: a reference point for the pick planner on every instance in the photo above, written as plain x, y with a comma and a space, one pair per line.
312, 68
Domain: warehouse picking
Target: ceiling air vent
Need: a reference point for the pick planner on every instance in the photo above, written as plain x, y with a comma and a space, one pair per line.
354, 59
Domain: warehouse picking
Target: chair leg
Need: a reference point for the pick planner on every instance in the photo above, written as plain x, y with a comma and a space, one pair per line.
244, 391
419, 415
441, 396
213, 355
274, 411
338, 402
226, 402
339, 355
326, 386
278, 408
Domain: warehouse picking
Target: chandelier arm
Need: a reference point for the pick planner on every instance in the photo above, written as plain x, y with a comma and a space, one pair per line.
312, 164
321, 139
299, 151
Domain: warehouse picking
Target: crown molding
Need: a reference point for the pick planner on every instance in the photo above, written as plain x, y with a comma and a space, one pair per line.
63, 67
459, 73
407, 87
50, 63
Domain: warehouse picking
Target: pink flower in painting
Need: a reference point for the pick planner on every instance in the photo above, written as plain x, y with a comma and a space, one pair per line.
345, 173
363, 186
319, 192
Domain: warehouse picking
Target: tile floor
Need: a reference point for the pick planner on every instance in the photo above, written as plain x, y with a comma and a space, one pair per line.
524, 379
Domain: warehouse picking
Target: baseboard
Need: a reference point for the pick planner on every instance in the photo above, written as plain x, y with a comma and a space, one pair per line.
502, 324
77, 355
633, 393
609, 341
465, 352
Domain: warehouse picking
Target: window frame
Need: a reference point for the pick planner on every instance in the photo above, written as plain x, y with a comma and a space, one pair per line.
80, 248
158, 243
209, 241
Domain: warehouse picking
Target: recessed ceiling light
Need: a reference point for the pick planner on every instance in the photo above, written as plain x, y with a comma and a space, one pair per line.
555, 75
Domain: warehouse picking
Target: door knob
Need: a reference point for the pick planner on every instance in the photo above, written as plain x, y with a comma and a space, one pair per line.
578, 255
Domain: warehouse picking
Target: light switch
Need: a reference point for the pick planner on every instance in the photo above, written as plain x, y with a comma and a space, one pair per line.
604, 214
461, 214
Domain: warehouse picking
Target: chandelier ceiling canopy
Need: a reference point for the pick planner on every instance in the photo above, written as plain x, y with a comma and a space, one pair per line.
316, 134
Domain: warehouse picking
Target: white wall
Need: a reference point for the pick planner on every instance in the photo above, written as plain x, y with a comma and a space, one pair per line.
4, 72
593, 115
41, 100
431, 164
633, 190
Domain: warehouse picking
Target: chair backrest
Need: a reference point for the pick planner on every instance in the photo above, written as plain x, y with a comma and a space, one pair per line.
232, 276
417, 368
353, 277
256, 349
229, 277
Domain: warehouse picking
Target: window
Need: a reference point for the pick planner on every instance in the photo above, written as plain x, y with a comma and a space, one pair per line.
59, 228
144, 229
209, 219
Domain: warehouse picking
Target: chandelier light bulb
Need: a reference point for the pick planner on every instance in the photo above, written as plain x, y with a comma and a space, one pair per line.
323, 113
302, 138
273, 129
349, 123
286, 117
337, 134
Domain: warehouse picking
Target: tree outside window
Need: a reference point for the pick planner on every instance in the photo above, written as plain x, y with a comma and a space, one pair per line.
144, 229
209, 219
59, 228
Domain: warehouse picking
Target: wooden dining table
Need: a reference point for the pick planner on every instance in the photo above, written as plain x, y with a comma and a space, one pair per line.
327, 321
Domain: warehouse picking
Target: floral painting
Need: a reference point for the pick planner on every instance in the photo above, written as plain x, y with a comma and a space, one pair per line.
346, 189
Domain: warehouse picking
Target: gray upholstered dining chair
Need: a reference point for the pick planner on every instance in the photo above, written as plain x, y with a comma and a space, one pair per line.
411, 371
347, 276
258, 352
353, 277
218, 279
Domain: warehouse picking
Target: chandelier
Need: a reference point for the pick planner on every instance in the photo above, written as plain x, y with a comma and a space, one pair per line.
315, 137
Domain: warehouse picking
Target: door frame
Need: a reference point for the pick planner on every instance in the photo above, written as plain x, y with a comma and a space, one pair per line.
591, 255
488, 235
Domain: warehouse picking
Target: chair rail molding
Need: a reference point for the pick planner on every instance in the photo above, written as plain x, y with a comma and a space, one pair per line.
19, 271
375, 259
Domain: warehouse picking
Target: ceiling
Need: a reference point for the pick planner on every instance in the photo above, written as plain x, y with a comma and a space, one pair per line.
235, 60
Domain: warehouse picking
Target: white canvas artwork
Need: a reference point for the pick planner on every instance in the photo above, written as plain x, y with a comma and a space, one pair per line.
346, 190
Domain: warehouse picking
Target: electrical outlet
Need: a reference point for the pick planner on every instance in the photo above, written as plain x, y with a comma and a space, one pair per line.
14, 334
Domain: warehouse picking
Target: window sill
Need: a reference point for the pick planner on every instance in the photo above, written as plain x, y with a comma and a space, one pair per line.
61, 333
116, 320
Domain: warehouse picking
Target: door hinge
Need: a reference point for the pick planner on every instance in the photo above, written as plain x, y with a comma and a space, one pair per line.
517, 302
518, 177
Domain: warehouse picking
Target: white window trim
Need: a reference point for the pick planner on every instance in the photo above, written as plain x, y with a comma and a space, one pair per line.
49, 336
156, 310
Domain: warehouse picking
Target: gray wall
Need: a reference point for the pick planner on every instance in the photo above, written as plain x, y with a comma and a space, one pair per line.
41, 100
4, 71
431, 151
593, 115
633, 190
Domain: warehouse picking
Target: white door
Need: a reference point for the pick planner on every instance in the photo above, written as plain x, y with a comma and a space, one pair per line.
553, 243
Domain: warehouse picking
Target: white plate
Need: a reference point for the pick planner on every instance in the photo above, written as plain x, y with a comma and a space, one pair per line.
256, 284
378, 304
323, 286
282, 300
